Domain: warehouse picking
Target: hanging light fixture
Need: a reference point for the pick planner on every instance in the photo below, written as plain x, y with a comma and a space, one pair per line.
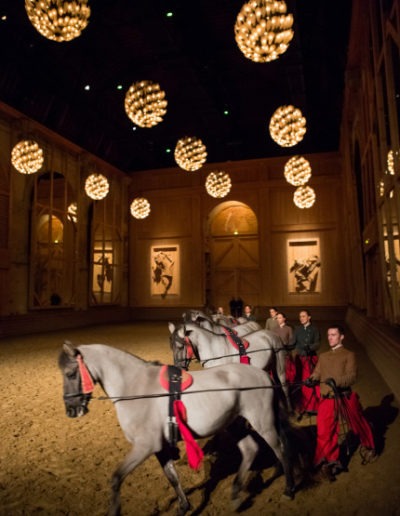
218, 184
96, 186
297, 171
58, 20
190, 153
304, 197
263, 30
287, 126
27, 157
140, 208
145, 103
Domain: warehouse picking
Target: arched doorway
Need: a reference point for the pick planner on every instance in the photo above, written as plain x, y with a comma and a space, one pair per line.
232, 259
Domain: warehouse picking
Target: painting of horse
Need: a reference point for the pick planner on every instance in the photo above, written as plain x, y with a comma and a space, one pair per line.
216, 398
211, 347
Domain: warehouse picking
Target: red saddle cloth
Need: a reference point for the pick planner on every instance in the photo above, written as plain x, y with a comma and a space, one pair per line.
194, 452
240, 344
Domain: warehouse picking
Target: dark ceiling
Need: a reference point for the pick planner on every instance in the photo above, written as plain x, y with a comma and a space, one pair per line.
195, 59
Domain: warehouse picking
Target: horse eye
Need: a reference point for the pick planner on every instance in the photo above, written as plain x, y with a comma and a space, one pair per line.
71, 374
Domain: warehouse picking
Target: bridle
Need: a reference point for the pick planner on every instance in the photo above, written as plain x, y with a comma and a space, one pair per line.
86, 384
191, 351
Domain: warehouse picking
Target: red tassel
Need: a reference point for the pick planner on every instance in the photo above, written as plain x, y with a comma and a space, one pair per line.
86, 379
194, 452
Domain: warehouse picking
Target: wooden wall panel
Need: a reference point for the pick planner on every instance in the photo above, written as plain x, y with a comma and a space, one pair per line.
181, 215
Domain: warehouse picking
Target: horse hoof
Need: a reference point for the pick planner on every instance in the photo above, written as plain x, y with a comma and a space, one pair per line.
237, 502
183, 509
288, 494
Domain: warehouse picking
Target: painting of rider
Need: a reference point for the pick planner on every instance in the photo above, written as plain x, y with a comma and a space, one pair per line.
304, 266
165, 271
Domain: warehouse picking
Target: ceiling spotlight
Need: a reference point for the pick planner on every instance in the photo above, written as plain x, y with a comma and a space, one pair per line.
58, 20
297, 171
263, 30
96, 186
287, 126
27, 157
218, 184
140, 208
145, 103
190, 153
304, 197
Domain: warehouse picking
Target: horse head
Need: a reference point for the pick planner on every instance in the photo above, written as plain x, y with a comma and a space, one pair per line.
77, 381
181, 346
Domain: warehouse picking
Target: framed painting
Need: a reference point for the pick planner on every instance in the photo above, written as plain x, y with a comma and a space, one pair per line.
165, 271
304, 265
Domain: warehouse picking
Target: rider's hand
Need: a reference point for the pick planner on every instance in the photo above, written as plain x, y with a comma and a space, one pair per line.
331, 383
310, 382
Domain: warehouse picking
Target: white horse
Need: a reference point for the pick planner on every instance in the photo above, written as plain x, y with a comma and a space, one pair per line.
241, 325
265, 350
213, 401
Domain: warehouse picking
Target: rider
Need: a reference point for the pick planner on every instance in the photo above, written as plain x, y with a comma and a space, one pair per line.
285, 332
247, 314
337, 370
307, 341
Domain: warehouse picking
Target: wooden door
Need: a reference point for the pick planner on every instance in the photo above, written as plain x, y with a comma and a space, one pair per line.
234, 270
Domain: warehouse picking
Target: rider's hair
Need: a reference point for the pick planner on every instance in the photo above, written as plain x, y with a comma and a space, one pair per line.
337, 327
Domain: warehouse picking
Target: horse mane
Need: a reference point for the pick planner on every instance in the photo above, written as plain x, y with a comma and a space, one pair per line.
63, 357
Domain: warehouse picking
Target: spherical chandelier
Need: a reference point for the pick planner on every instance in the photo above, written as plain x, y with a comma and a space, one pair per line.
263, 30
145, 103
27, 157
218, 184
297, 171
58, 20
140, 208
190, 153
304, 197
287, 126
97, 186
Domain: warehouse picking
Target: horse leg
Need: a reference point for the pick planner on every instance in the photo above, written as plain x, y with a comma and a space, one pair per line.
135, 457
277, 445
281, 373
248, 448
264, 425
164, 458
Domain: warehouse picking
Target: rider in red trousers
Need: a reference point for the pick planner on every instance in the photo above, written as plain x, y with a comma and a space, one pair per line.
336, 370
307, 342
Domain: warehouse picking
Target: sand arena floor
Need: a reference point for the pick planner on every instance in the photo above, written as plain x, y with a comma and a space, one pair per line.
54, 465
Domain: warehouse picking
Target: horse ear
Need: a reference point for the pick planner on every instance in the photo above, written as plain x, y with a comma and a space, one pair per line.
68, 349
181, 332
171, 327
